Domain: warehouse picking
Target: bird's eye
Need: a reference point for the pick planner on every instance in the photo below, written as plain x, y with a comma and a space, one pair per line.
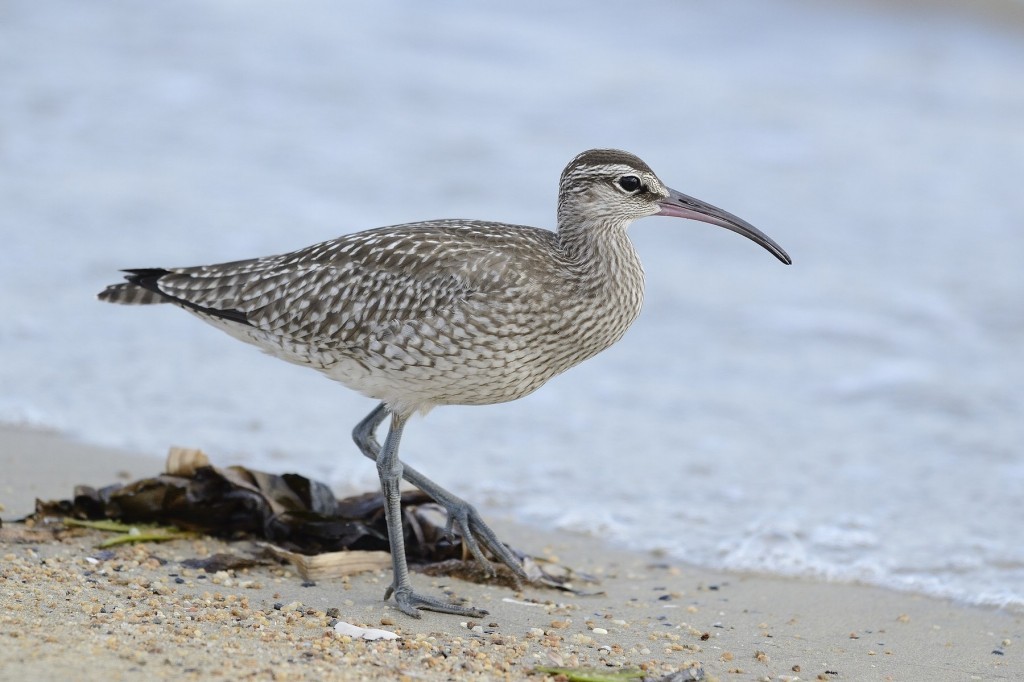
630, 183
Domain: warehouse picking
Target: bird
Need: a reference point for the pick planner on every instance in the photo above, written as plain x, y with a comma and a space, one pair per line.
445, 312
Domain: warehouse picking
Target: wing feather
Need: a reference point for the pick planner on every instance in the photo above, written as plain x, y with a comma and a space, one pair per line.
344, 291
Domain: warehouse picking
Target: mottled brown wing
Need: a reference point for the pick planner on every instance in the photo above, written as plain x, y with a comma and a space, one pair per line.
338, 293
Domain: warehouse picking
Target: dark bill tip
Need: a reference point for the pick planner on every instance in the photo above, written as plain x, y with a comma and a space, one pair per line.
680, 205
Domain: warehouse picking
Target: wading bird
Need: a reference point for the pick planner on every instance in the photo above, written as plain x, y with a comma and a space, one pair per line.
445, 312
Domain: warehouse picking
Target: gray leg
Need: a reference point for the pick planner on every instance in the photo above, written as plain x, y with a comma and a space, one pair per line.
460, 512
389, 468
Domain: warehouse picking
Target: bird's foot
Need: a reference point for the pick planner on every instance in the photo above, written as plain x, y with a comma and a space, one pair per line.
475, 533
411, 603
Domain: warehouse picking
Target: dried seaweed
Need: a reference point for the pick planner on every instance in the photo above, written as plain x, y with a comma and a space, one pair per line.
290, 510
295, 513
132, 533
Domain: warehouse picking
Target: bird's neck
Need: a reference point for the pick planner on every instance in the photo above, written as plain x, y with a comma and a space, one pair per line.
608, 266
600, 246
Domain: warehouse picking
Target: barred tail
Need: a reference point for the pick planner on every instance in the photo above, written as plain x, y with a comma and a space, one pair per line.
143, 288
132, 292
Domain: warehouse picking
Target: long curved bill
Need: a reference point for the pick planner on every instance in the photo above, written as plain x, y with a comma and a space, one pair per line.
679, 205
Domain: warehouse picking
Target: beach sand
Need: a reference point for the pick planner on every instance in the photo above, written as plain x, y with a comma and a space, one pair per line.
70, 611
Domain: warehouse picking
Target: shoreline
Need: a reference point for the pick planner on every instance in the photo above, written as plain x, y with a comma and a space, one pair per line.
135, 608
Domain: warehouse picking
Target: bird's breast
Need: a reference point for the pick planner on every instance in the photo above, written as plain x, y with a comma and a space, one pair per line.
503, 345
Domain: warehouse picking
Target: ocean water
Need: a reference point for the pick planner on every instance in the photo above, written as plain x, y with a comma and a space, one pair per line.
856, 416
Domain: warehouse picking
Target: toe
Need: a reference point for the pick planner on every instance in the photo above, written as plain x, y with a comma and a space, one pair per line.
411, 603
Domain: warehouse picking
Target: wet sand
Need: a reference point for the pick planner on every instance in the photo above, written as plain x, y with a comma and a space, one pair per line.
71, 611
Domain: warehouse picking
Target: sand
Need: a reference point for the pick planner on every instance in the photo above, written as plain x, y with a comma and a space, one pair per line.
71, 611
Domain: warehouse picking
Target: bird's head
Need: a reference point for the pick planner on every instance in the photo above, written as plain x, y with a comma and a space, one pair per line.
612, 187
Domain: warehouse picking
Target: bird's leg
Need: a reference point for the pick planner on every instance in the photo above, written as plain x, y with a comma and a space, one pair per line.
460, 512
389, 468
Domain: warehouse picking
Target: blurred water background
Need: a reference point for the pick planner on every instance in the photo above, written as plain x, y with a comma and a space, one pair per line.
856, 416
